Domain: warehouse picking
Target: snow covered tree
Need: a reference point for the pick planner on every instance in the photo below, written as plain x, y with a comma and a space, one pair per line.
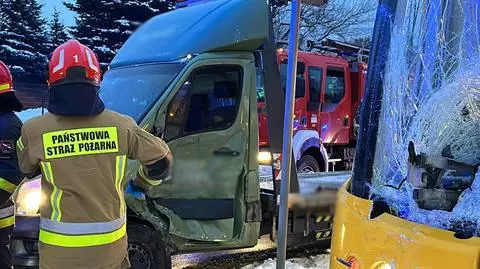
23, 42
339, 19
57, 32
104, 25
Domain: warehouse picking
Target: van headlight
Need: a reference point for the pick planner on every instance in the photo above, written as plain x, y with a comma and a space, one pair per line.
29, 197
264, 158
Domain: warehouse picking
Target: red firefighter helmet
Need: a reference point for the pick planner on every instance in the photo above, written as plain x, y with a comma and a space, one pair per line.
6, 84
73, 62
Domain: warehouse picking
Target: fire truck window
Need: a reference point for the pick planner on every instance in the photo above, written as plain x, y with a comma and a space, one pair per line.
315, 81
283, 76
208, 101
335, 88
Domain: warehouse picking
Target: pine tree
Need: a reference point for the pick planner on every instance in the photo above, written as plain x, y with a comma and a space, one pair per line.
104, 25
57, 31
23, 42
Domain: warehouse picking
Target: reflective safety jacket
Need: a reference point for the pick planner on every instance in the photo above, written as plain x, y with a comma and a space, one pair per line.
10, 175
83, 162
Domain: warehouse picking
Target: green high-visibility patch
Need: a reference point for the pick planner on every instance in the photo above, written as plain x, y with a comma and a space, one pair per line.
78, 142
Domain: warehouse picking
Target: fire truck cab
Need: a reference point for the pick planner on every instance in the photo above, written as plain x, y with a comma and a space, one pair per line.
330, 87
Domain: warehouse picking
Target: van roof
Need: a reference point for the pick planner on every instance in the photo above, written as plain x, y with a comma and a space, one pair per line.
210, 26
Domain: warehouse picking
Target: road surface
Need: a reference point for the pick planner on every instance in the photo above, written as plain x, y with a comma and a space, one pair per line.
258, 257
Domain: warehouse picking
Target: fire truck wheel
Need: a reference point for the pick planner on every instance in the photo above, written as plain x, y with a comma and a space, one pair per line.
144, 251
307, 164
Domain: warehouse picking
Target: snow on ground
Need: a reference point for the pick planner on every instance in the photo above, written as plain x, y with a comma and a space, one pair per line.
315, 262
255, 257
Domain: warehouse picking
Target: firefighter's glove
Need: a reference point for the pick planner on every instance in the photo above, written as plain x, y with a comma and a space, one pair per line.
134, 191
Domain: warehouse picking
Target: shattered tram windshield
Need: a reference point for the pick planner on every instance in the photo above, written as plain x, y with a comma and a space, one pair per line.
133, 90
428, 144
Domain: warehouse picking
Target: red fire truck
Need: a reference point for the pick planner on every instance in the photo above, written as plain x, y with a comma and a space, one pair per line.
330, 87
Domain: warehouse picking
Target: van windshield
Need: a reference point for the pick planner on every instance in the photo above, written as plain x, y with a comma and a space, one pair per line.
134, 90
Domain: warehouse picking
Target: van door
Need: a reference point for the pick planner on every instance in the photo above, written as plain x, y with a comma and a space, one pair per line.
207, 129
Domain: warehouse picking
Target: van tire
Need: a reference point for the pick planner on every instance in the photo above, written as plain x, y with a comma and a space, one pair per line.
144, 251
307, 164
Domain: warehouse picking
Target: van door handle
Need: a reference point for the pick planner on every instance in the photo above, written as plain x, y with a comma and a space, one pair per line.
226, 152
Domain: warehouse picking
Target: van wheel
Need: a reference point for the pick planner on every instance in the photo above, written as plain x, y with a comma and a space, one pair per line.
144, 251
307, 164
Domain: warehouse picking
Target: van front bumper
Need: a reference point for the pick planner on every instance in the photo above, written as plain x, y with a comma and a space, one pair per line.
24, 242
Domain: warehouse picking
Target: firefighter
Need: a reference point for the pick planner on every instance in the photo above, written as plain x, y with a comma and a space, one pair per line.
10, 176
82, 149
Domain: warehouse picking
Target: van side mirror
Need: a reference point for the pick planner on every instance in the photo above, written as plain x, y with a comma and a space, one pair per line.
159, 125
157, 131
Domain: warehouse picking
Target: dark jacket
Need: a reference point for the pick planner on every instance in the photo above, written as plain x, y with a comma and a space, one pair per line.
10, 175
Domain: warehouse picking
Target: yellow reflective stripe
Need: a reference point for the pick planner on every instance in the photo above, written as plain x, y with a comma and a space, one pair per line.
46, 171
20, 145
120, 165
79, 142
7, 186
74, 241
56, 195
7, 222
5, 86
145, 177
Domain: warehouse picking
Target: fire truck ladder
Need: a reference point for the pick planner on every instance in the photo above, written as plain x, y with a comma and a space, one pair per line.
341, 49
